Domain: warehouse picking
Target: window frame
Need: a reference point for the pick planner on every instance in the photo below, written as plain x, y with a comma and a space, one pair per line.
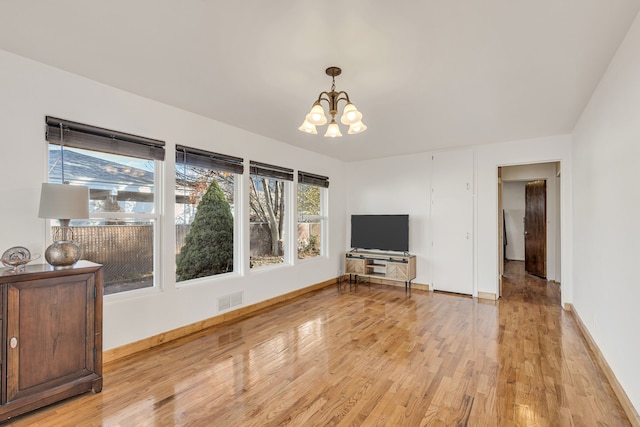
69, 134
286, 176
322, 182
214, 162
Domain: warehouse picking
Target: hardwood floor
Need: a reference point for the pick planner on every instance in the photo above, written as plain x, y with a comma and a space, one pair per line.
369, 356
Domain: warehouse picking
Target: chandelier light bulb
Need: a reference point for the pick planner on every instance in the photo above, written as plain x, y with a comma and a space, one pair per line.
308, 127
350, 115
333, 130
356, 128
316, 116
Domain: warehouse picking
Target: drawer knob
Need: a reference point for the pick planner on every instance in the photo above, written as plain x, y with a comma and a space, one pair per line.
13, 342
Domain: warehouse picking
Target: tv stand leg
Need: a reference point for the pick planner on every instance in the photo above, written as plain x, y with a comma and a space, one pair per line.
353, 281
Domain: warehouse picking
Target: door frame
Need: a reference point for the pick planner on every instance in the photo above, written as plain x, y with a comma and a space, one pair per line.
561, 242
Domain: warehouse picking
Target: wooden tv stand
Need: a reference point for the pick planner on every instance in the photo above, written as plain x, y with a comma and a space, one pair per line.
401, 268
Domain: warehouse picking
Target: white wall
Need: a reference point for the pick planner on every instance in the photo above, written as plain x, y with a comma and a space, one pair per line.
513, 203
488, 158
606, 214
396, 185
402, 185
29, 91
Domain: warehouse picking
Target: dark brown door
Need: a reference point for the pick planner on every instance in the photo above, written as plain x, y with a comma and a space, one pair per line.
535, 228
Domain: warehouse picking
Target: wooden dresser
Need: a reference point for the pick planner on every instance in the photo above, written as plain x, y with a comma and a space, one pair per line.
50, 335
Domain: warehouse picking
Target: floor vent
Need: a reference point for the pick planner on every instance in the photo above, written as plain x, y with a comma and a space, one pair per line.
228, 301
235, 299
224, 303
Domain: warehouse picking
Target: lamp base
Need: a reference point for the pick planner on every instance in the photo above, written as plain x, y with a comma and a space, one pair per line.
62, 254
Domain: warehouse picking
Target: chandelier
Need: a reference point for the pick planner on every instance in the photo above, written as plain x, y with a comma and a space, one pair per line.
350, 114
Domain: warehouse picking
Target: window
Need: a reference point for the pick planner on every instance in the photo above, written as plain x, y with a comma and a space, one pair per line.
205, 194
312, 217
120, 171
267, 200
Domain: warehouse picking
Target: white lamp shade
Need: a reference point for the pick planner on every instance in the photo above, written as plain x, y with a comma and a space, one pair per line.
316, 115
350, 115
308, 127
64, 201
357, 127
333, 130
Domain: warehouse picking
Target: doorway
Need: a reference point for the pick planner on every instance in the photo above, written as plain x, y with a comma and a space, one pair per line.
529, 218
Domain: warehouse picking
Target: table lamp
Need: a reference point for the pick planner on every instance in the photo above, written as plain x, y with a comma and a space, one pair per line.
63, 202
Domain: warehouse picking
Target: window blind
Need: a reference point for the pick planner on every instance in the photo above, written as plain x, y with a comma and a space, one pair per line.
209, 160
313, 179
270, 171
78, 135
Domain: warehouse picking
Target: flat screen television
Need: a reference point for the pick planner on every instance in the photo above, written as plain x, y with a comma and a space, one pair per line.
381, 232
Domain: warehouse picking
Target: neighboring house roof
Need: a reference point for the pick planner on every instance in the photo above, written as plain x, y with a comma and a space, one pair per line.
103, 176
96, 172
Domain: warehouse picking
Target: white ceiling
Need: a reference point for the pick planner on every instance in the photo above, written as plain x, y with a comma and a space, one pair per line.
426, 75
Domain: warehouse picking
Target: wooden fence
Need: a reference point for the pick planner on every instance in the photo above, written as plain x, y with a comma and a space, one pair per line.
126, 251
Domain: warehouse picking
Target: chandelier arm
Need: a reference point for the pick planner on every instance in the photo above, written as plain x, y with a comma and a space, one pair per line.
345, 98
334, 97
332, 102
327, 99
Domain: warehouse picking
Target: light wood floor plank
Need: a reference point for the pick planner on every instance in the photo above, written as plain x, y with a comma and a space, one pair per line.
364, 357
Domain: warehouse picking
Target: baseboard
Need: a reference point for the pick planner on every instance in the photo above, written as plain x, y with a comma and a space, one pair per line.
487, 295
626, 404
165, 337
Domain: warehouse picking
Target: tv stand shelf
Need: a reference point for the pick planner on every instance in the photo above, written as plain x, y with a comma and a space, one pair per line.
401, 268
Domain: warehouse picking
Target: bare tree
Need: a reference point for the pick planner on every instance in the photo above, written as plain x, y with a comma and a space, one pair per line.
266, 200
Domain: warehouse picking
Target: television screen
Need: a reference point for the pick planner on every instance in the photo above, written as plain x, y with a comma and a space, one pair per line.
383, 232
